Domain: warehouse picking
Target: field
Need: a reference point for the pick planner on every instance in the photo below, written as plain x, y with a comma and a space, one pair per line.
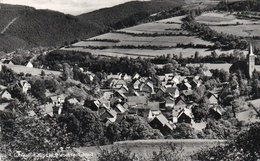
165, 33
142, 37
230, 24
33, 71
145, 148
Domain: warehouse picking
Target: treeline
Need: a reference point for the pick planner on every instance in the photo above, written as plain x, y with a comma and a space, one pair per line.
221, 40
55, 59
156, 34
253, 5
103, 40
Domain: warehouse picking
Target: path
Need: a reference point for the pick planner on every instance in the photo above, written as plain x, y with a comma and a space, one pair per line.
8, 25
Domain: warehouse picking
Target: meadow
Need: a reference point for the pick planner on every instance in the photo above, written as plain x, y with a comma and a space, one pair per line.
230, 24
144, 39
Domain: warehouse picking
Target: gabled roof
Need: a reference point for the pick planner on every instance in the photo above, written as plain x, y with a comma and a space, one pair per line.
137, 99
172, 90
120, 108
185, 111
217, 109
163, 120
3, 106
121, 94
187, 92
154, 106
73, 101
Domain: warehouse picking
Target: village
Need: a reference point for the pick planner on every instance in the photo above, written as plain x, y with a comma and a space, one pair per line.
164, 103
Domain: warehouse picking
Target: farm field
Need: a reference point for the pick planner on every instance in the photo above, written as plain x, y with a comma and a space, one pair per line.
32, 71
176, 20
152, 27
240, 30
172, 26
146, 53
139, 40
236, 26
153, 34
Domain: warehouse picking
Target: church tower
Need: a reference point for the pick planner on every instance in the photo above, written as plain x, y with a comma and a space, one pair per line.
251, 61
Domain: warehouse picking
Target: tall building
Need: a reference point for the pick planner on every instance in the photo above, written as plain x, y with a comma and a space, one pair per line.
251, 61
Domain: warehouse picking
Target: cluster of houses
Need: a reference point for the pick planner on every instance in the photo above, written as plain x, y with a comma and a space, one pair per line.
162, 104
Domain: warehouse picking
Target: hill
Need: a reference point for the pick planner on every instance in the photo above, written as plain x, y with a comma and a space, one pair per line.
111, 17
39, 28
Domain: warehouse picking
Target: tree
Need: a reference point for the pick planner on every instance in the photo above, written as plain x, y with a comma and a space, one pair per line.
184, 131
168, 68
38, 89
67, 73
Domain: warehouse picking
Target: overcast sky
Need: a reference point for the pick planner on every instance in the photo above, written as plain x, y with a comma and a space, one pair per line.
74, 7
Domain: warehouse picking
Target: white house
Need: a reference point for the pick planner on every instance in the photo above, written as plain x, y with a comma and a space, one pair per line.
29, 65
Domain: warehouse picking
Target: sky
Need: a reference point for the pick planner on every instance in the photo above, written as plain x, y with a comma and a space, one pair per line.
73, 7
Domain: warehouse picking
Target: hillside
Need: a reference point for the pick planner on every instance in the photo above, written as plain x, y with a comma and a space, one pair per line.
112, 16
40, 28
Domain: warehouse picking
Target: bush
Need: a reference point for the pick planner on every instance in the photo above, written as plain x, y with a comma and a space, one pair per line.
116, 155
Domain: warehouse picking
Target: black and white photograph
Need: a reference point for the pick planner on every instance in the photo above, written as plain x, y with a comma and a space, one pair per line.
129, 80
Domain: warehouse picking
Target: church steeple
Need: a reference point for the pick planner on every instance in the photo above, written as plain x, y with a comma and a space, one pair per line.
251, 49
251, 61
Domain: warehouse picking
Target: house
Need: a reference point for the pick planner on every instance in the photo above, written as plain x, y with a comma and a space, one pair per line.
73, 101
147, 88
24, 85
195, 83
31, 113
107, 95
173, 91
213, 98
160, 122
137, 99
93, 104
169, 101
4, 105
207, 73
47, 110
120, 95
116, 84
9, 62
184, 86
180, 101
154, 108
161, 91
29, 65
136, 76
137, 84
108, 114
126, 77
57, 100
185, 116
216, 112
124, 89
187, 95
119, 108
5, 95
141, 110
